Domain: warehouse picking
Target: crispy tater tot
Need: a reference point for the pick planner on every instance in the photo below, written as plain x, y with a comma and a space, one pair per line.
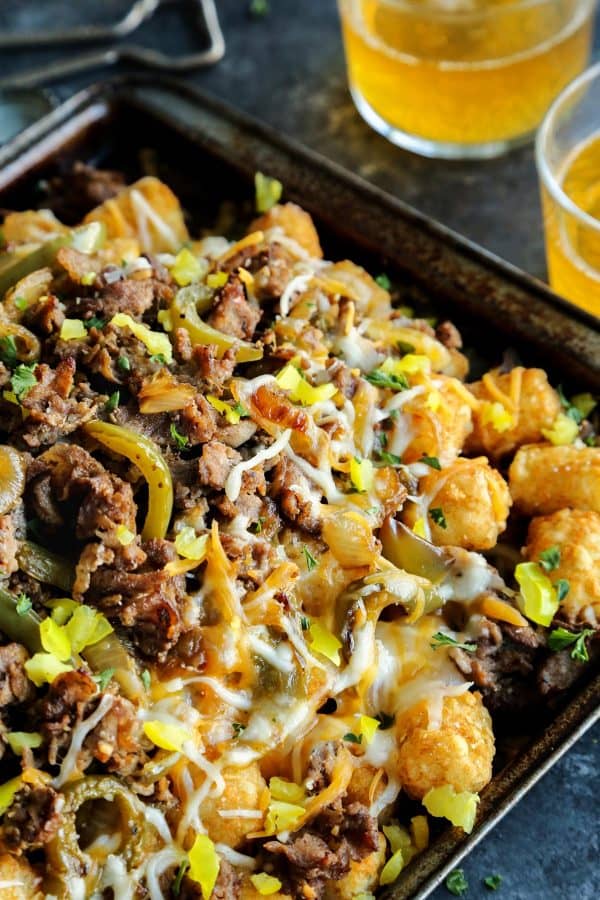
243, 789
362, 877
18, 881
543, 479
474, 500
368, 297
295, 222
436, 422
576, 533
458, 753
530, 401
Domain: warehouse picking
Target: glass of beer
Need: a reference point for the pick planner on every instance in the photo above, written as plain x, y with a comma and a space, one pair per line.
462, 78
568, 160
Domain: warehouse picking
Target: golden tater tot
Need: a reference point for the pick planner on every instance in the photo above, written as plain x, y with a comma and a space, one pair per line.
369, 298
18, 880
458, 753
243, 789
530, 401
438, 422
543, 479
576, 533
362, 877
295, 222
475, 502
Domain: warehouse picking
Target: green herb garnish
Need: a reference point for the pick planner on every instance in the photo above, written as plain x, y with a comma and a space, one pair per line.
311, 562
23, 604
353, 738
123, 364
159, 358
437, 515
176, 886
444, 640
384, 282
390, 458
146, 679
304, 623
103, 678
237, 728
180, 439
456, 883
387, 380
562, 587
21, 303
94, 322
258, 9
493, 882
560, 639
550, 559
23, 379
432, 461
112, 402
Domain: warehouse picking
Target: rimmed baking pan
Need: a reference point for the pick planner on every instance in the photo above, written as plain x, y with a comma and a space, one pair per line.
209, 153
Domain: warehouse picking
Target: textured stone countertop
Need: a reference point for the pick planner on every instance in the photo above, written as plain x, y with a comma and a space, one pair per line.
288, 70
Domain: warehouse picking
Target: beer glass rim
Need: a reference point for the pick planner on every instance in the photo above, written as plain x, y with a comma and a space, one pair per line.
545, 134
465, 14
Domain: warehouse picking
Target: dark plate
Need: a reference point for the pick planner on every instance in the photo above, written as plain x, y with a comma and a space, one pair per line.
209, 153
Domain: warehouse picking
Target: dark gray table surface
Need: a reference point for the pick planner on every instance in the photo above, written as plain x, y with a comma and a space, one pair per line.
288, 70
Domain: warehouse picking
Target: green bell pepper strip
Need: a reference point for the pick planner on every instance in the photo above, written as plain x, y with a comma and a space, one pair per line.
407, 551
13, 267
46, 566
21, 627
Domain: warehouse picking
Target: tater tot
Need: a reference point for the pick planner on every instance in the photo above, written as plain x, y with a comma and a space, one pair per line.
243, 788
295, 222
529, 399
458, 753
475, 502
434, 423
362, 877
543, 479
18, 880
369, 298
577, 535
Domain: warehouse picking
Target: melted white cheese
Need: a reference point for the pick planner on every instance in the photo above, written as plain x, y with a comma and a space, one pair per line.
233, 485
80, 732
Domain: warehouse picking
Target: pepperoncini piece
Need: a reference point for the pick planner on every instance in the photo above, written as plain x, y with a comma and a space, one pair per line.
144, 454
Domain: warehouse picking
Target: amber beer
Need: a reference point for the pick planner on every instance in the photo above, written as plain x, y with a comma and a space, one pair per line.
568, 157
462, 77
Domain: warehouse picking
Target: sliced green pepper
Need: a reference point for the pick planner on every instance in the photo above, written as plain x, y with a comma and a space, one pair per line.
45, 566
21, 627
144, 454
407, 551
14, 267
185, 315
65, 856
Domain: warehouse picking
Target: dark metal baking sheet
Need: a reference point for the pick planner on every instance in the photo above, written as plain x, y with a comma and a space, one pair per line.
212, 153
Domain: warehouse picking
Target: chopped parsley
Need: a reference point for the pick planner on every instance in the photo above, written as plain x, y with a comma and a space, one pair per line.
550, 559
176, 886
432, 461
456, 883
21, 303
159, 358
391, 459
180, 439
385, 721
444, 640
562, 587
304, 623
8, 350
237, 728
578, 407
146, 679
437, 515
94, 322
258, 9
112, 402
23, 604
258, 525
387, 380
353, 738
493, 882
23, 379
560, 639
103, 678
123, 364
311, 562
384, 282
404, 347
